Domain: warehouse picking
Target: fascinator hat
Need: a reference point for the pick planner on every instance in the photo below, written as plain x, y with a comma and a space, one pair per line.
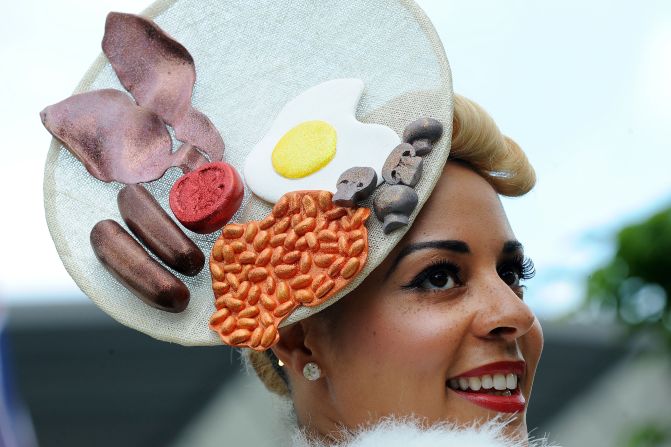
275, 146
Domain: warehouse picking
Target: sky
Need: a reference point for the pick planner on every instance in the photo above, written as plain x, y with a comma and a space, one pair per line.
583, 87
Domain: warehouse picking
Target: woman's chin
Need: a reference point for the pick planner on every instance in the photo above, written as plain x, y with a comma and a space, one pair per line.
467, 414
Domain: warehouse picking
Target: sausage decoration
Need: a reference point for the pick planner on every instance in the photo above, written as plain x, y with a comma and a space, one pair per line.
304, 252
152, 225
125, 258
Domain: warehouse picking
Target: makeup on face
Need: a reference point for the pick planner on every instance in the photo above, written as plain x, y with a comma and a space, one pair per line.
444, 273
495, 386
439, 329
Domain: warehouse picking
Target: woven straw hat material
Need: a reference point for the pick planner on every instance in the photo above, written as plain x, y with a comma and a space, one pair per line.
249, 62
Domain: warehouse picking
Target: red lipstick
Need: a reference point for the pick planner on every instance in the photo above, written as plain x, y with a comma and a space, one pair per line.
487, 398
514, 403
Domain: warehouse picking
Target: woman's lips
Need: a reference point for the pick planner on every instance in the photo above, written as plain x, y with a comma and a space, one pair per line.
514, 403
493, 386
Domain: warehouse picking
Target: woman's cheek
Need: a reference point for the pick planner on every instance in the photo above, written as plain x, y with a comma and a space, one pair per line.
405, 332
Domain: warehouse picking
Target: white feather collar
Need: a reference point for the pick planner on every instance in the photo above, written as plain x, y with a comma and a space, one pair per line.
395, 433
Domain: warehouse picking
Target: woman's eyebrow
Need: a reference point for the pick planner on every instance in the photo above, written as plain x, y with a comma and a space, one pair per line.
452, 245
512, 247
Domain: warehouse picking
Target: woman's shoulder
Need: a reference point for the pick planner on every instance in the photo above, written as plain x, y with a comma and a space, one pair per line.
394, 433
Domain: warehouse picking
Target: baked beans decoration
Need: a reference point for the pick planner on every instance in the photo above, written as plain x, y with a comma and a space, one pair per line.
301, 254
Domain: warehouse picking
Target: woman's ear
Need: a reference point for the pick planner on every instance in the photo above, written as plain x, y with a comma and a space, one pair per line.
292, 349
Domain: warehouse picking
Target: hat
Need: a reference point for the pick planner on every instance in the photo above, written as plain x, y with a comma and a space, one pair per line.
258, 87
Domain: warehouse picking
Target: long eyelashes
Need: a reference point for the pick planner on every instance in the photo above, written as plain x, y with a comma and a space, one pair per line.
515, 270
528, 269
523, 266
441, 266
512, 271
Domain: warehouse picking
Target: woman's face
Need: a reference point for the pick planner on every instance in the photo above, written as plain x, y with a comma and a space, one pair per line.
443, 312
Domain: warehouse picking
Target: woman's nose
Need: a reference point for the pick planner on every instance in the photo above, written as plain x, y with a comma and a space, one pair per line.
502, 314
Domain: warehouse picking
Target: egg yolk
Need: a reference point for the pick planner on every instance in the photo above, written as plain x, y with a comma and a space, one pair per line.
304, 149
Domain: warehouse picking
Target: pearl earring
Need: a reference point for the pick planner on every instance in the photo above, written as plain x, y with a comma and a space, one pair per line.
311, 371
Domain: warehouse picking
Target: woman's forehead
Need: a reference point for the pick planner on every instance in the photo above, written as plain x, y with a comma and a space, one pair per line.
463, 206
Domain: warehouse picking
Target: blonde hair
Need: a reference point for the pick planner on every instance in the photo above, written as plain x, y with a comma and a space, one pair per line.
476, 141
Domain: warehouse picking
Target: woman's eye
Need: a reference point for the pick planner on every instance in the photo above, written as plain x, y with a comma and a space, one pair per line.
438, 280
510, 277
442, 275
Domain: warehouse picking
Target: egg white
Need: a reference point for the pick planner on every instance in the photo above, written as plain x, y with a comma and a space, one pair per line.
358, 144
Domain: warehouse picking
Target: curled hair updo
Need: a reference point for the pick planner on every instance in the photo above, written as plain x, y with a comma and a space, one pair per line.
477, 142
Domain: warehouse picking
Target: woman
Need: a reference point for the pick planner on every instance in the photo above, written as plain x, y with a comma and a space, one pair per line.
437, 331
438, 322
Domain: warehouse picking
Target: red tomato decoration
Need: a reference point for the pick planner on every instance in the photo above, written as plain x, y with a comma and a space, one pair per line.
205, 199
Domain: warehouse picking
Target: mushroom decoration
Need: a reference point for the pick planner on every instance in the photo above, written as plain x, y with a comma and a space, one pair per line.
402, 166
394, 205
422, 133
354, 185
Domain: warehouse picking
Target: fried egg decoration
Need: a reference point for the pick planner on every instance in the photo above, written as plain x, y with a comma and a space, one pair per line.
314, 138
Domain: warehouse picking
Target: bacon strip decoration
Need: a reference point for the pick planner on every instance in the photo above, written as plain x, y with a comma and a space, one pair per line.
160, 74
304, 252
120, 140
113, 137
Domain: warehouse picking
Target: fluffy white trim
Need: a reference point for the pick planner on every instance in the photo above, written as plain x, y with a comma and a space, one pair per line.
408, 433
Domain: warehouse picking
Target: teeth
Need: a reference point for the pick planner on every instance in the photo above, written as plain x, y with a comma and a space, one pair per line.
499, 384
511, 381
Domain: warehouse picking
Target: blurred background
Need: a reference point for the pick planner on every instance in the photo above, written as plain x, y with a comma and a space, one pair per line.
583, 87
